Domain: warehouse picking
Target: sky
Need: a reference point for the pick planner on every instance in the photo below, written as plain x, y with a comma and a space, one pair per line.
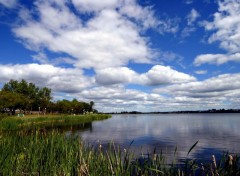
126, 55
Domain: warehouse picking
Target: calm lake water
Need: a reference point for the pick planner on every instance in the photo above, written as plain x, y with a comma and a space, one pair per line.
216, 133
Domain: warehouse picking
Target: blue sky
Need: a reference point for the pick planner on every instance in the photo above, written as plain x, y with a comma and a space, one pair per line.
126, 55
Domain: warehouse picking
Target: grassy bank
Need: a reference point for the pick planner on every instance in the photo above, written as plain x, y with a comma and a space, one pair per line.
54, 154
28, 122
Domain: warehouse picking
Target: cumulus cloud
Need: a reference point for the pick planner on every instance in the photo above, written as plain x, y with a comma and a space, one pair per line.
157, 75
226, 31
178, 94
117, 98
216, 59
143, 15
216, 92
95, 6
213, 93
226, 23
108, 38
58, 79
117, 75
218, 88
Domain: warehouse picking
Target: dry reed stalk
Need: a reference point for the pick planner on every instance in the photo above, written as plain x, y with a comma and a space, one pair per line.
83, 171
215, 165
230, 160
154, 157
111, 166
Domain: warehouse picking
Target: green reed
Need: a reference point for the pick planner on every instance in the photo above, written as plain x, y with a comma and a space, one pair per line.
52, 153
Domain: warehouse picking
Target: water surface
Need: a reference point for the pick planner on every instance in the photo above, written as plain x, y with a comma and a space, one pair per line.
216, 133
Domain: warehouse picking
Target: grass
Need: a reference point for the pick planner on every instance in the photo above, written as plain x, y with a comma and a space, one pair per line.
29, 122
55, 154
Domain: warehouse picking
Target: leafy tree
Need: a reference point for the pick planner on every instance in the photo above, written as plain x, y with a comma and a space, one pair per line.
32, 95
10, 101
27, 97
43, 97
63, 106
91, 105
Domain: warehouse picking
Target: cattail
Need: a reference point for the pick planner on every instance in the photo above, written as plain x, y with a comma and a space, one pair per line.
100, 147
202, 166
215, 165
154, 157
214, 162
230, 160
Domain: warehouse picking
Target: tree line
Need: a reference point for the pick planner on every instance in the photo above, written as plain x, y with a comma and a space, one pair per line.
28, 98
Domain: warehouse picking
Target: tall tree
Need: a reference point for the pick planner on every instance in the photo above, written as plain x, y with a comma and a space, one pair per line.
30, 93
91, 106
10, 101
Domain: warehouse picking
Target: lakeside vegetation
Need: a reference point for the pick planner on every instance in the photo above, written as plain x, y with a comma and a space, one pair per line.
33, 121
51, 153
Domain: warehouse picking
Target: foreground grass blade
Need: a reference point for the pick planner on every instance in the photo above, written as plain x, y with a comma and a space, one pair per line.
194, 145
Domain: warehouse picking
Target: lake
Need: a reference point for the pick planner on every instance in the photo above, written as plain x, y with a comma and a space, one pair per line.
164, 132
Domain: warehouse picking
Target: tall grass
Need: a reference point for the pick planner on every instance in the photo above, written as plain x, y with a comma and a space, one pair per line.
55, 154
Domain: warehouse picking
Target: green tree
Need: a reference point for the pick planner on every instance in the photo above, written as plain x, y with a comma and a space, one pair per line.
32, 95
10, 101
43, 97
64, 106
91, 106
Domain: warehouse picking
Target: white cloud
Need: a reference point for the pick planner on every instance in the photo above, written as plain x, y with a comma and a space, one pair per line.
108, 38
117, 75
216, 59
170, 25
56, 78
226, 23
157, 75
118, 98
181, 93
191, 20
219, 87
186, 32
41, 57
97, 44
216, 92
165, 75
95, 6
201, 72
9, 3
226, 30
143, 15
192, 16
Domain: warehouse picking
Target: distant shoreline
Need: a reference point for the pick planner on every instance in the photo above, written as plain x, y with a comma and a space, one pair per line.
181, 112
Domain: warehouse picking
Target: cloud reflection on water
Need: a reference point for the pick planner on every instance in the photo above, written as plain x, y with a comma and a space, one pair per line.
218, 132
